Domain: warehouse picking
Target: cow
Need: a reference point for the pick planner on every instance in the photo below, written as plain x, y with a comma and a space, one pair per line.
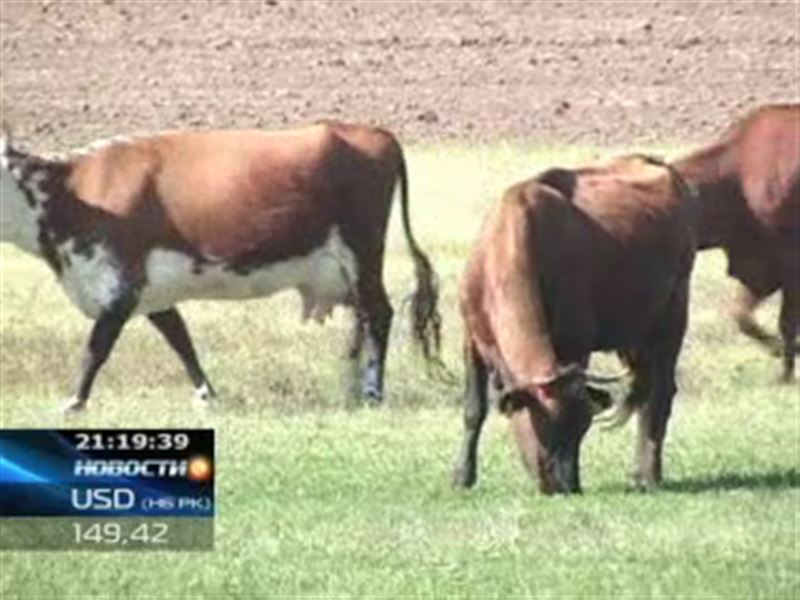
135, 226
749, 187
571, 262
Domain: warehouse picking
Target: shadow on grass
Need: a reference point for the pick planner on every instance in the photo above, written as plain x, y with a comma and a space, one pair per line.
721, 482
776, 480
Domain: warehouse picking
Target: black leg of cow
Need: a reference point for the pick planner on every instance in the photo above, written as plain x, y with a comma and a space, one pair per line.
653, 417
104, 334
665, 347
356, 345
475, 408
172, 326
379, 314
355, 348
788, 323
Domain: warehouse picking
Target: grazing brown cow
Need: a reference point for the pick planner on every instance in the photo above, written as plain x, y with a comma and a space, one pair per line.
749, 188
568, 263
134, 226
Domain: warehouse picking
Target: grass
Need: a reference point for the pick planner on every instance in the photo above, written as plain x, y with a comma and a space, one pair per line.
320, 497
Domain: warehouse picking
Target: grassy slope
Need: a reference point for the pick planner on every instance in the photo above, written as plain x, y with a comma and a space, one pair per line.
320, 497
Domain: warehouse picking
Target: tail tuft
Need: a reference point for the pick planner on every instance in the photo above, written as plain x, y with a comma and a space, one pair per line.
426, 321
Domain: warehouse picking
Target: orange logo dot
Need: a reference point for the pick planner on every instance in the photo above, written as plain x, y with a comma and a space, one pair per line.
199, 468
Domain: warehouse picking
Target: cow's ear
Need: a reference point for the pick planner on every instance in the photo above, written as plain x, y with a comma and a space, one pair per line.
547, 393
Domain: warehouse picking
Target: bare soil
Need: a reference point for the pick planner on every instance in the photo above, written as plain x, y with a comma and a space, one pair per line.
601, 73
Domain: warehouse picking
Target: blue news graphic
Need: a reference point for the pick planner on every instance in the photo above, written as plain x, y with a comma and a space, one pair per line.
156, 473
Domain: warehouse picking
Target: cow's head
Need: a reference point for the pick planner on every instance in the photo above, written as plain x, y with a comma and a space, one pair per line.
550, 418
12, 199
22, 197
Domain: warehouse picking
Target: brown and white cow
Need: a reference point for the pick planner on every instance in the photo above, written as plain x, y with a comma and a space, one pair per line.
568, 263
135, 226
749, 187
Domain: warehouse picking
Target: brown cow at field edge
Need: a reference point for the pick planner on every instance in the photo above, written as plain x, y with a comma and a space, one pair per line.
568, 263
749, 187
135, 226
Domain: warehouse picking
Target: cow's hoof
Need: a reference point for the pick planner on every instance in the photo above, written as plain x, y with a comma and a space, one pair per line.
204, 397
72, 406
645, 483
372, 396
775, 348
463, 478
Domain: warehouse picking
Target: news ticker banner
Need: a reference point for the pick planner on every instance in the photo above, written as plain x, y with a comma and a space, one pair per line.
107, 489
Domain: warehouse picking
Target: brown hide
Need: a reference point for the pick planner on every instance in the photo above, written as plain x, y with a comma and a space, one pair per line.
750, 178
501, 302
571, 262
769, 167
228, 203
553, 278
749, 192
244, 198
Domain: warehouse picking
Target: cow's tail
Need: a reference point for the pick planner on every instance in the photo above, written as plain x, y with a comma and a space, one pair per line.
426, 322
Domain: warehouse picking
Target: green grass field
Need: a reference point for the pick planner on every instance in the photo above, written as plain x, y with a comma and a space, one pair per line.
319, 497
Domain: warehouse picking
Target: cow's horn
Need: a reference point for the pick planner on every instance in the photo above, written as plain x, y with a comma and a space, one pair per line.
620, 415
560, 373
606, 379
590, 377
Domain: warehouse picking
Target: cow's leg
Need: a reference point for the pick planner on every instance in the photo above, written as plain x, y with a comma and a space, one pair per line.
105, 332
172, 326
356, 345
476, 405
743, 310
355, 349
665, 345
788, 324
653, 417
378, 313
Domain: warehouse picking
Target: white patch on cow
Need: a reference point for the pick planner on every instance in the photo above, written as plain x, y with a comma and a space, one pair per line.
72, 405
4, 146
203, 393
94, 283
19, 222
204, 398
325, 277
